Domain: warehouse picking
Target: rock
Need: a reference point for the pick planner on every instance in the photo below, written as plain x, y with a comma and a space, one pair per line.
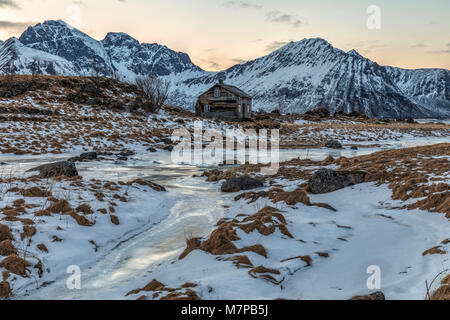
152, 150
241, 183
324, 180
168, 148
84, 157
89, 156
354, 148
373, 296
127, 153
321, 112
95, 102
333, 144
166, 141
122, 158
63, 168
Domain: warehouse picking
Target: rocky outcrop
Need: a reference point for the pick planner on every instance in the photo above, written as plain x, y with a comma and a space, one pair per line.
333, 144
324, 180
63, 168
241, 183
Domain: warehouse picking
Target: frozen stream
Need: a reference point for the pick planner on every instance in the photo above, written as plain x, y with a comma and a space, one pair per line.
197, 207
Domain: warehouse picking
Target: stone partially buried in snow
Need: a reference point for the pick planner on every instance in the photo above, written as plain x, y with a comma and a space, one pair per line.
324, 180
333, 144
84, 157
241, 183
63, 168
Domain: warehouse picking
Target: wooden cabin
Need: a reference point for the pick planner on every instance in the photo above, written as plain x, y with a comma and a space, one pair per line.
224, 102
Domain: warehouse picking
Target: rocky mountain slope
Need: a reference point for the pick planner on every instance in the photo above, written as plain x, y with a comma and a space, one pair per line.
295, 78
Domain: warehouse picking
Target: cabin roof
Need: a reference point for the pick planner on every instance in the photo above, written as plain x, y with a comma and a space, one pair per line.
232, 89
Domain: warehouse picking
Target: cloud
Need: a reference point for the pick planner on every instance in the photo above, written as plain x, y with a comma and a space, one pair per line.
14, 26
367, 46
276, 45
419, 45
445, 51
8, 3
279, 17
214, 65
239, 61
242, 4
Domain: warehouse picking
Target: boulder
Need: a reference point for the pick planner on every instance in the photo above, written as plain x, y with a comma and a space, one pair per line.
84, 157
126, 153
63, 168
324, 180
333, 144
166, 141
89, 156
241, 183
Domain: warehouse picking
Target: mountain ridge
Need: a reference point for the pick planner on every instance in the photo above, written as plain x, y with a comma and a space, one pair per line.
294, 78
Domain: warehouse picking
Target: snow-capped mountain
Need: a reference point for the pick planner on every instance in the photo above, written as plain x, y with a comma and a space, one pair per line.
295, 78
303, 75
60, 39
131, 58
17, 58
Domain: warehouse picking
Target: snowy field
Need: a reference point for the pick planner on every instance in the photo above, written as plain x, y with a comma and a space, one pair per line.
115, 259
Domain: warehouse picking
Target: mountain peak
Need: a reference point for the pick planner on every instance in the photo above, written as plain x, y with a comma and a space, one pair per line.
58, 22
355, 53
119, 38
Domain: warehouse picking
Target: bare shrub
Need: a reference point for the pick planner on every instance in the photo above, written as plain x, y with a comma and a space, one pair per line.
34, 69
115, 75
9, 77
156, 91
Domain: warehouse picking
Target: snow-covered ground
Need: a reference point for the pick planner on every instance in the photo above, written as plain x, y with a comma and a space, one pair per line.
135, 234
355, 237
154, 226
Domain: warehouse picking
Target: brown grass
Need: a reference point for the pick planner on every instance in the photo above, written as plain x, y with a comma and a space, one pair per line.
16, 265
7, 248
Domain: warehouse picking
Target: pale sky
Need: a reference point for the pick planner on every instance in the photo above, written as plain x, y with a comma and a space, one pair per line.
220, 33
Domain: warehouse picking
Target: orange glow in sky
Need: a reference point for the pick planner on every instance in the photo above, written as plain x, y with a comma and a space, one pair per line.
220, 33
